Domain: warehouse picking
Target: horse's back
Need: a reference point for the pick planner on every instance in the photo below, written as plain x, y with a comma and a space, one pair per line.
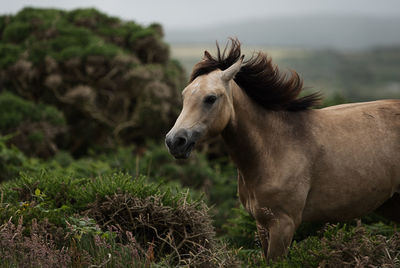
382, 113
359, 104
357, 164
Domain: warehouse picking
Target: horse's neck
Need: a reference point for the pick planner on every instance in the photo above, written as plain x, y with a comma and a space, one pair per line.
253, 132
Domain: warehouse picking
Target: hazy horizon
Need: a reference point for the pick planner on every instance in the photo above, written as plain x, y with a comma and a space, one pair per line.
338, 24
183, 14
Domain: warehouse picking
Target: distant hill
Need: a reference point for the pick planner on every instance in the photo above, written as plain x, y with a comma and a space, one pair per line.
313, 31
357, 75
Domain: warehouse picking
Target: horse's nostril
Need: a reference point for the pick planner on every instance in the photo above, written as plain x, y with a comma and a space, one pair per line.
180, 141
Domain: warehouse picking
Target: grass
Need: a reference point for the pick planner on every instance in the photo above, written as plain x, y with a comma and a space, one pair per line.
79, 212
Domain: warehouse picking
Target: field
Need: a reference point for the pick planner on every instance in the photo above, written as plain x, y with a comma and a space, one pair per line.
85, 177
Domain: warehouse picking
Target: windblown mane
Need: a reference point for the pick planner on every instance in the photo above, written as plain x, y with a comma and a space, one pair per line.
260, 79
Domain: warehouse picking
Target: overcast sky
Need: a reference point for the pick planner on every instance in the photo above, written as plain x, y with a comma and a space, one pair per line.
178, 14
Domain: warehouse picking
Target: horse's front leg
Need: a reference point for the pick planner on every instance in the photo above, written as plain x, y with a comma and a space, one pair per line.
276, 234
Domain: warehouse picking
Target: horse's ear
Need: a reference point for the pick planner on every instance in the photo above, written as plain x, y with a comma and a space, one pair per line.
207, 55
230, 73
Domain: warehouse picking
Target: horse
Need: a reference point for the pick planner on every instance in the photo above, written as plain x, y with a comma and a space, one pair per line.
295, 164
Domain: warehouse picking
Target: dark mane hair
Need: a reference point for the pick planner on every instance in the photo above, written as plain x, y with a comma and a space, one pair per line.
260, 79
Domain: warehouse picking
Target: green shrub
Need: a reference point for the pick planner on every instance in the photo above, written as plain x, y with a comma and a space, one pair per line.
167, 220
241, 230
3, 22
101, 49
16, 32
140, 33
33, 127
108, 76
91, 18
11, 160
37, 16
9, 54
216, 179
14, 111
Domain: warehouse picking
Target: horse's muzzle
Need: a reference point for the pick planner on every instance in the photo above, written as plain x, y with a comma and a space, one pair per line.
181, 143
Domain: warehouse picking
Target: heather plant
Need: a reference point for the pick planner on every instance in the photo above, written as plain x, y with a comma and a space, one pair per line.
82, 244
35, 250
158, 223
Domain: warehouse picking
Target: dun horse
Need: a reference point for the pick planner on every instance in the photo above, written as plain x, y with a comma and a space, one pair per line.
294, 163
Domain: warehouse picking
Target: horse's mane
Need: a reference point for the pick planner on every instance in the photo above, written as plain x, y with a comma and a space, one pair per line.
260, 79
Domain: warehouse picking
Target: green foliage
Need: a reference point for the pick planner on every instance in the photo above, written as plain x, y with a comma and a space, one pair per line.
9, 53
64, 35
59, 192
3, 22
302, 254
60, 195
111, 76
52, 33
99, 49
33, 127
216, 179
15, 110
142, 33
72, 187
91, 17
11, 160
38, 16
241, 229
16, 32
343, 246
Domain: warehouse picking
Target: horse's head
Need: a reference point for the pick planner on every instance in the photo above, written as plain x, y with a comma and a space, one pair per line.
207, 109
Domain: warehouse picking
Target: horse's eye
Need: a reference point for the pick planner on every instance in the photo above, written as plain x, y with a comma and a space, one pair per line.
210, 99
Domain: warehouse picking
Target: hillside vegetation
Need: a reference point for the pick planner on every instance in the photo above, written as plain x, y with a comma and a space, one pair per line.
86, 181
113, 80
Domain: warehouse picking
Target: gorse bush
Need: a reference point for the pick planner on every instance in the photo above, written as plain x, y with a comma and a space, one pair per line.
90, 215
11, 160
112, 80
33, 128
215, 179
82, 29
174, 225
